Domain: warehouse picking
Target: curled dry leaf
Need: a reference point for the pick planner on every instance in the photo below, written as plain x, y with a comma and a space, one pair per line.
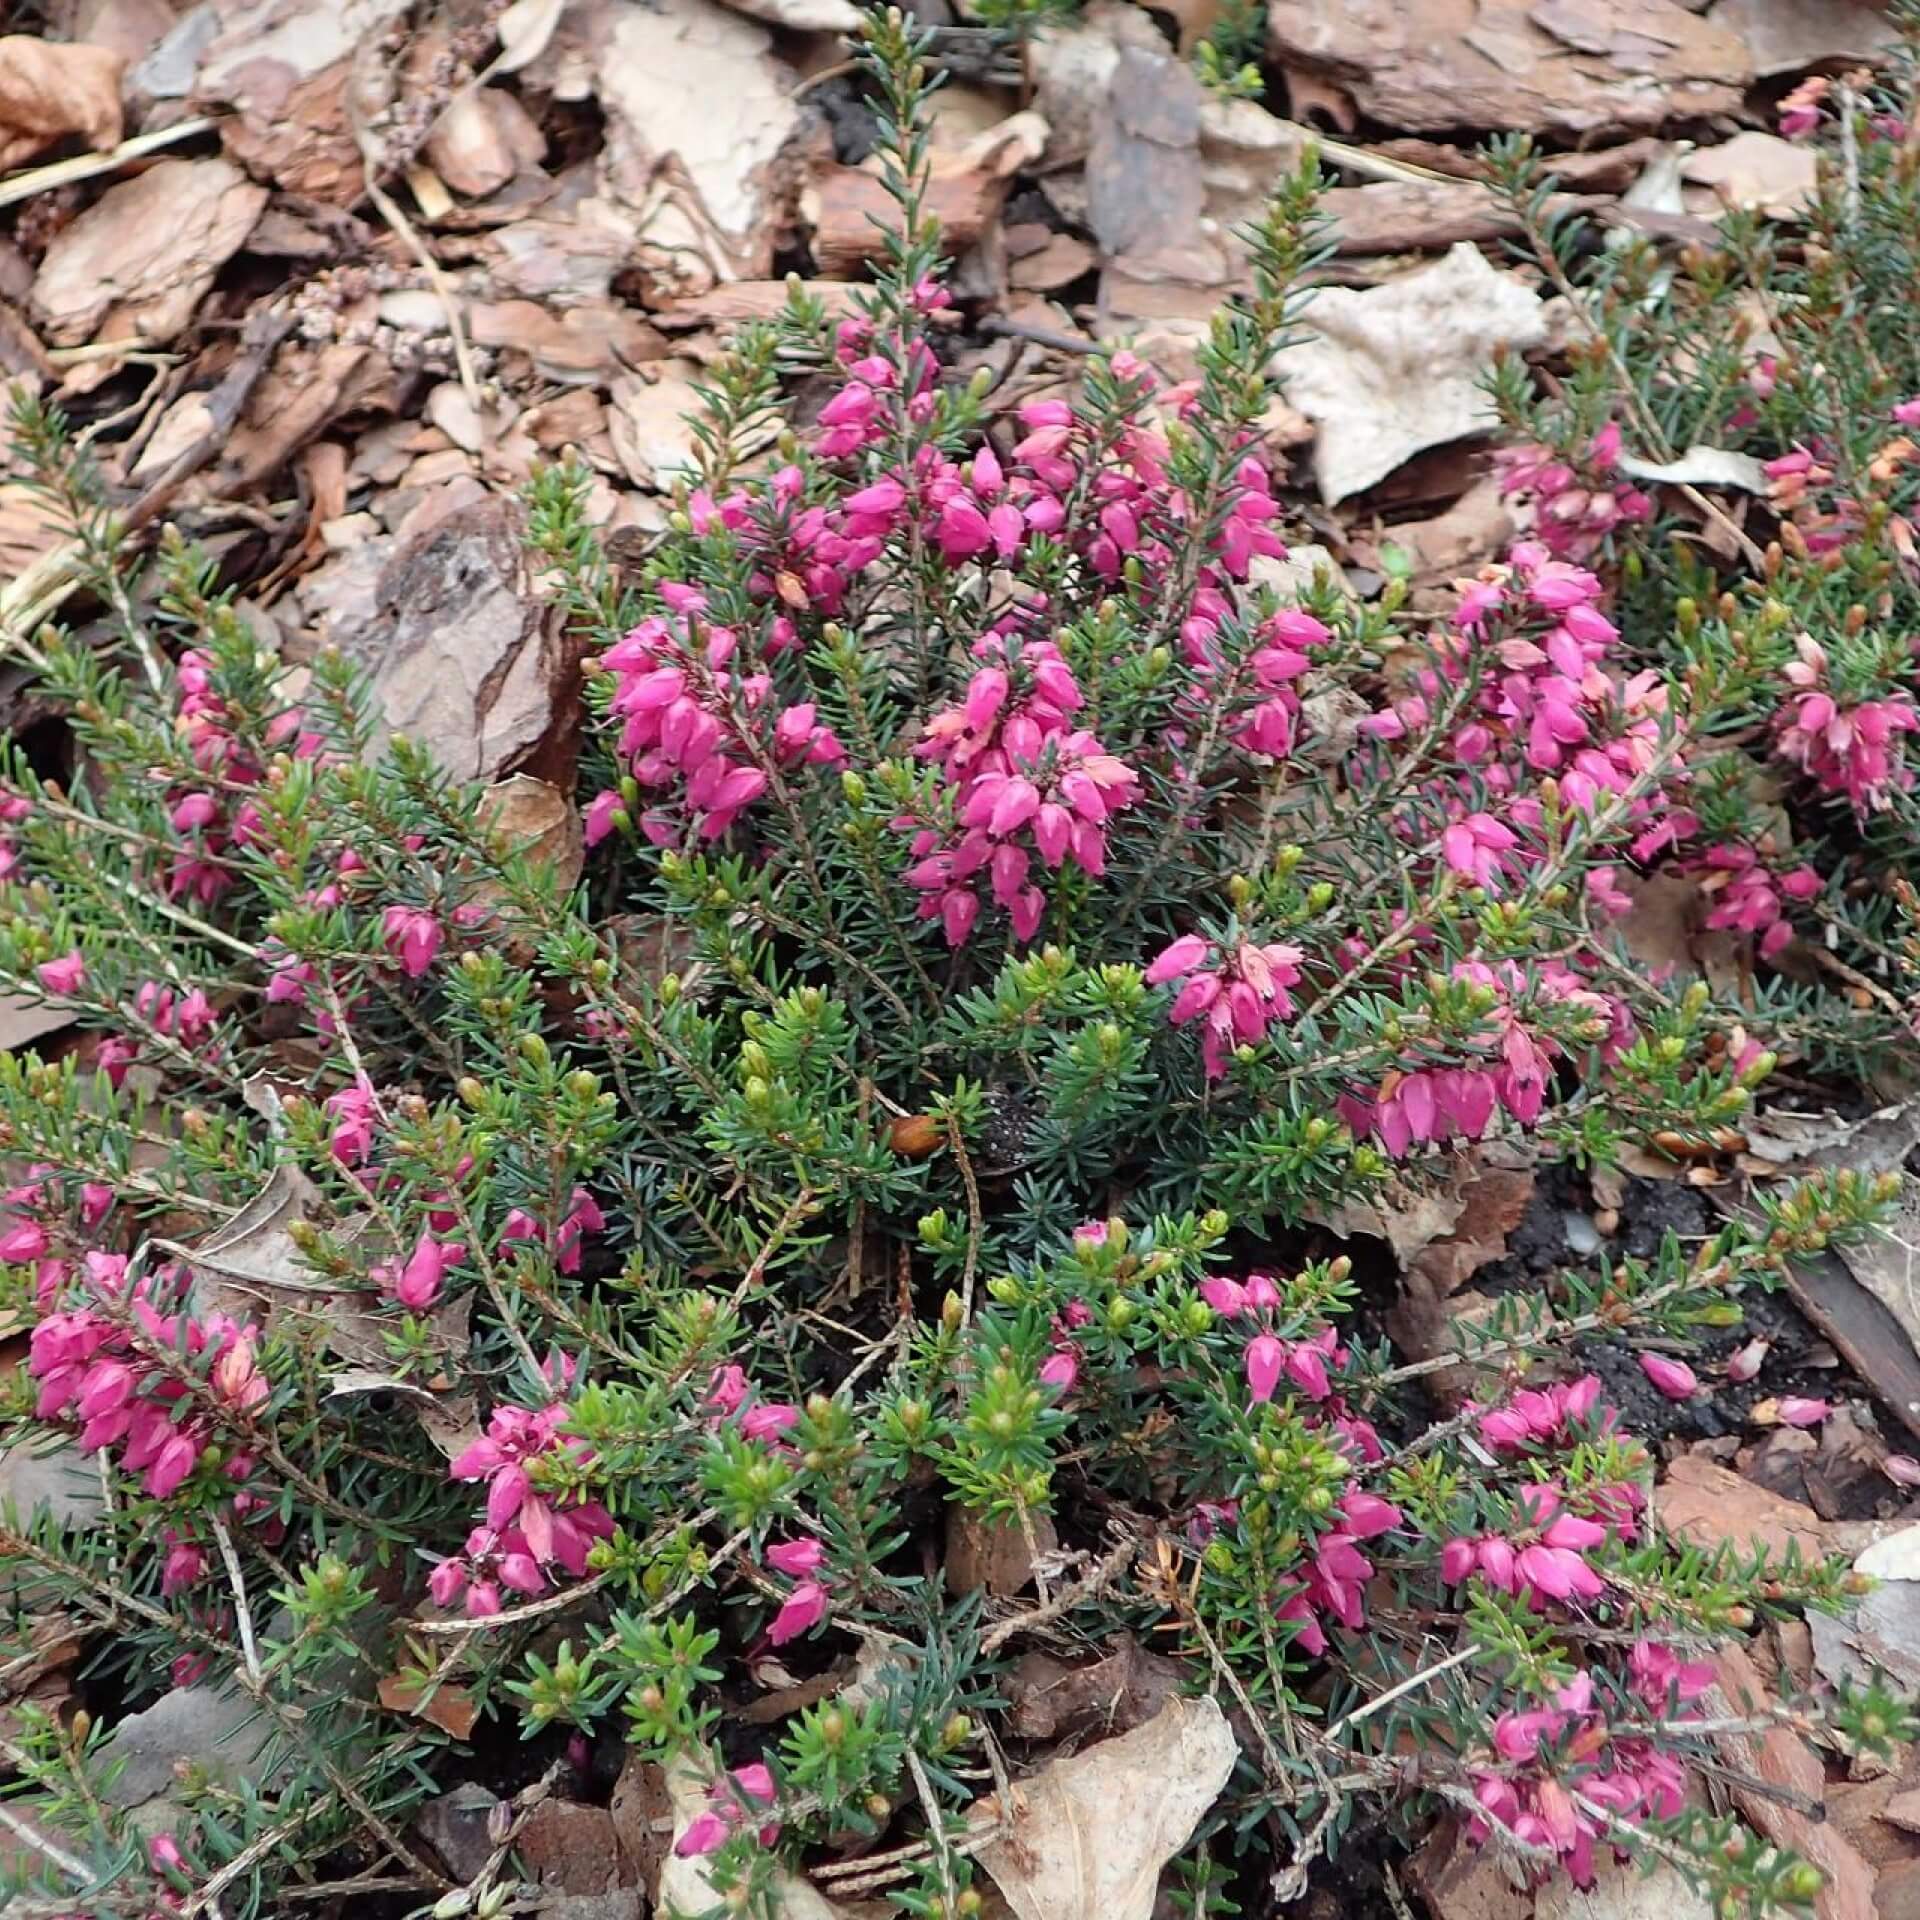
524, 28
51, 92
1702, 467
1089, 1835
482, 140
533, 820
447, 1707
1391, 370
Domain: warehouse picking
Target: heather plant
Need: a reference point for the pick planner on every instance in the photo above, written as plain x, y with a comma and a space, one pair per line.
1017, 918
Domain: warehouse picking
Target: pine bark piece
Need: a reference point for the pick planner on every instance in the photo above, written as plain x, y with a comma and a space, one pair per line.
1561, 66
846, 201
136, 264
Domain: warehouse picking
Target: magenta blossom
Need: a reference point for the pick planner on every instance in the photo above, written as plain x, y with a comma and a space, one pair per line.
803, 1610
1674, 1378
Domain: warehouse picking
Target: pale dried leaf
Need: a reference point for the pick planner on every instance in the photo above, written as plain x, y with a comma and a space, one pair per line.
803, 16
1090, 1834
1808, 1142
1757, 171
1394, 369
247, 1265
524, 28
1624, 1890
1702, 467
49, 92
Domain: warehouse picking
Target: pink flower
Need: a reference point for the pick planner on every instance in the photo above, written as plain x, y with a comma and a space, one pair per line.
803, 1610
705, 1832
65, 975
23, 1241
417, 1285
796, 1557
769, 1420
446, 1582
413, 937
1674, 1378
1746, 1363
1060, 1370
604, 812
1795, 1410
1265, 1357
728, 1389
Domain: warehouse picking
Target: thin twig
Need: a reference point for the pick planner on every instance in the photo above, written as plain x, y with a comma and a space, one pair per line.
1108, 1570
74, 1869
84, 166
390, 211
243, 1612
976, 1220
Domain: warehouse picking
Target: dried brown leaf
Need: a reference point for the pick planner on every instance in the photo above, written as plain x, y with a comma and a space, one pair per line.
1393, 369
447, 1707
1087, 1836
49, 92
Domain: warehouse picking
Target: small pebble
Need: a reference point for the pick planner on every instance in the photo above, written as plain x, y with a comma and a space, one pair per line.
1583, 1235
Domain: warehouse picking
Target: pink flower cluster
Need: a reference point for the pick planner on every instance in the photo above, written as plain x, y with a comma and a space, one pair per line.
1846, 747
1530, 643
1026, 781
1749, 894
693, 721
1575, 505
1337, 1574
1550, 1767
730, 1806
526, 1532
583, 1216
207, 819
1438, 1103
806, 1604
1239, 991
91, 1368
1543, 1556
1537, 1418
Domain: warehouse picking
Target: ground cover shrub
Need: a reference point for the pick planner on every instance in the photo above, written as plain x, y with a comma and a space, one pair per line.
1010, 931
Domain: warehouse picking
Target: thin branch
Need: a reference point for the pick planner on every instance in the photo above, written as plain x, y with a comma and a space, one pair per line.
243, 1611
